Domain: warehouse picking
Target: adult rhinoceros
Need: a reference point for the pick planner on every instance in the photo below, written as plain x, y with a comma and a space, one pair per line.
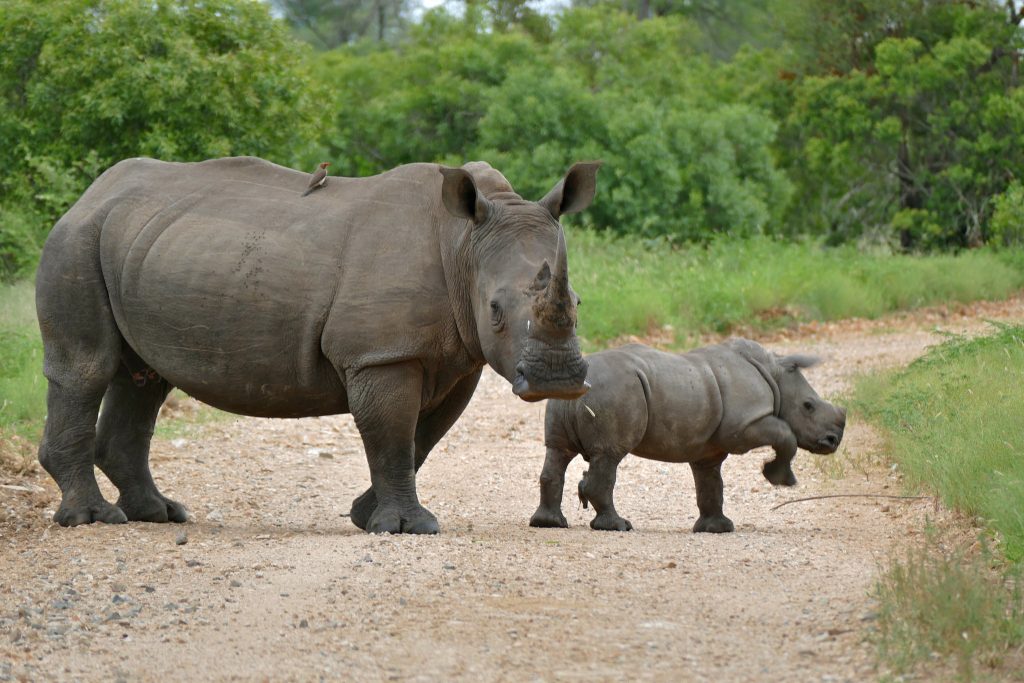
382, 297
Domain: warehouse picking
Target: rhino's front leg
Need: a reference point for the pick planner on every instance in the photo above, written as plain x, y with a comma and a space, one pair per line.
430, 429
597, 487
707, 477
777, 434
552, 481
385, 402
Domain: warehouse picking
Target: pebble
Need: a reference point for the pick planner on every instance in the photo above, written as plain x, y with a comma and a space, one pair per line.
182, 538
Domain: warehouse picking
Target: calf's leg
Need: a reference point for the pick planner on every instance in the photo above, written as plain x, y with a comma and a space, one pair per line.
552, 481
597, 487
707, 477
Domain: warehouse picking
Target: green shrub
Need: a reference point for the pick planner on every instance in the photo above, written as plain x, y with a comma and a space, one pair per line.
953, 423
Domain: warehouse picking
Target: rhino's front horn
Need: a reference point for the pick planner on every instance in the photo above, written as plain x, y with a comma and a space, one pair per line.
554, 306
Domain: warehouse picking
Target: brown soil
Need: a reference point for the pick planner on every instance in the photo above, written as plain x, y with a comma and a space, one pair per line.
274, 583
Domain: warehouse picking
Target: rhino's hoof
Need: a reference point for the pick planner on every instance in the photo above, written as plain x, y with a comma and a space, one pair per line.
153, 508
362, 508
391, 520
550, 519
101, 511
604, 522
779, 474
719, 524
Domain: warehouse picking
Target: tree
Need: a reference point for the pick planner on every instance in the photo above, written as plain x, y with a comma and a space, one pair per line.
85, 83
912, 140
330, 23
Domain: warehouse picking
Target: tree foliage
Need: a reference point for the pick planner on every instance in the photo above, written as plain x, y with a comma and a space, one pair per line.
85, 83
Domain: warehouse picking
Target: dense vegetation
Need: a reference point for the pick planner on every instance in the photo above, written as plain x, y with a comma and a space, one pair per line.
952, 422
898, 124
953, 419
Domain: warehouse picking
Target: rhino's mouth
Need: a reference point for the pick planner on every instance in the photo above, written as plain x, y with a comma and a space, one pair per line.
548, 371
522, 388
827, 444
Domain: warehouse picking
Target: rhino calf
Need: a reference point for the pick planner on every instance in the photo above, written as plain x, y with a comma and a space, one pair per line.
697, 408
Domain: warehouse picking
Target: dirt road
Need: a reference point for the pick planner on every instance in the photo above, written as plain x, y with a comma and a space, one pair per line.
275, 584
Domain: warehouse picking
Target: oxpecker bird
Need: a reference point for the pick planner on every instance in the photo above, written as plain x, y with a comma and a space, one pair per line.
319, 178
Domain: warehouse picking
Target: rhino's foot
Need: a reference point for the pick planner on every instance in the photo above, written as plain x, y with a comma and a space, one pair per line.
394, 520
714, 524
362, 508
610, 522
94, 511
779, 473
548, 518
152, 507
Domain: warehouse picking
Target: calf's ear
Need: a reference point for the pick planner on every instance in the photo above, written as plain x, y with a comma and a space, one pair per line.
575, 191
797, 361
460, 196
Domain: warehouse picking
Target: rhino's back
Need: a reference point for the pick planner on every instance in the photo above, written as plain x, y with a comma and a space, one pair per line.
222, 277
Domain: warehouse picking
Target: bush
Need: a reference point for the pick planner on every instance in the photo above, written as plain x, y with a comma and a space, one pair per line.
86, 83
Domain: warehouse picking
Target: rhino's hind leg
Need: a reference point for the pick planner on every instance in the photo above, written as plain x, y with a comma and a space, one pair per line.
430, 429
597, 487
552, 481
707, 477
125, 430
81, 352
66, 452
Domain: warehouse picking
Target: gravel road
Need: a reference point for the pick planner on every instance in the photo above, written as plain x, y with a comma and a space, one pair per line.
271, 582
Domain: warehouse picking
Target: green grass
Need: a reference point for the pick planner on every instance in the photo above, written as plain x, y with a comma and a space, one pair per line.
632, 287
22, 386
954, 422
952, 608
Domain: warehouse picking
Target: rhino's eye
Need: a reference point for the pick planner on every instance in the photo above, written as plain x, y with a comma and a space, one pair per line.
497, 317
809, 406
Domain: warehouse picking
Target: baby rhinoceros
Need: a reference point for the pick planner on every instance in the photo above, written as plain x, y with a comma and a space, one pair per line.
697, 407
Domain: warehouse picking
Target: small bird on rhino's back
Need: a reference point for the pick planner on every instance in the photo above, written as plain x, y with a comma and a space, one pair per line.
318, 180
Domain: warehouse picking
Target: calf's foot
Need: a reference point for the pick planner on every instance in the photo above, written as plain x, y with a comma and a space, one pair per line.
610, 521
779, 473
548, 518
391, 519
714, 524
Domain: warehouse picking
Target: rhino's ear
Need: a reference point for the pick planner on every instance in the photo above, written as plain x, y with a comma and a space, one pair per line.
797, 361
575, 191
460, 196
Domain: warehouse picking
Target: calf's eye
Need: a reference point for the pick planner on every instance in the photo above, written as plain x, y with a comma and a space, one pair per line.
808, 406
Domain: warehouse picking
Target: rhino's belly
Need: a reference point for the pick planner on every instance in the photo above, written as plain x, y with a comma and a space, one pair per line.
674, 452
269, 399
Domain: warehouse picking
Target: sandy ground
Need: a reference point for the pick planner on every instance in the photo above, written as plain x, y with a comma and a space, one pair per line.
274, 583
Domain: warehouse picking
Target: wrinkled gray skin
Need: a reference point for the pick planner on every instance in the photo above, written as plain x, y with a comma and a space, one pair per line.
382, 297
697, 408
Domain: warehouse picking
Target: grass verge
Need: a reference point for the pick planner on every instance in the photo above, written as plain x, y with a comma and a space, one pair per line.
952, 421
22, 386
630, 287
957, 608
